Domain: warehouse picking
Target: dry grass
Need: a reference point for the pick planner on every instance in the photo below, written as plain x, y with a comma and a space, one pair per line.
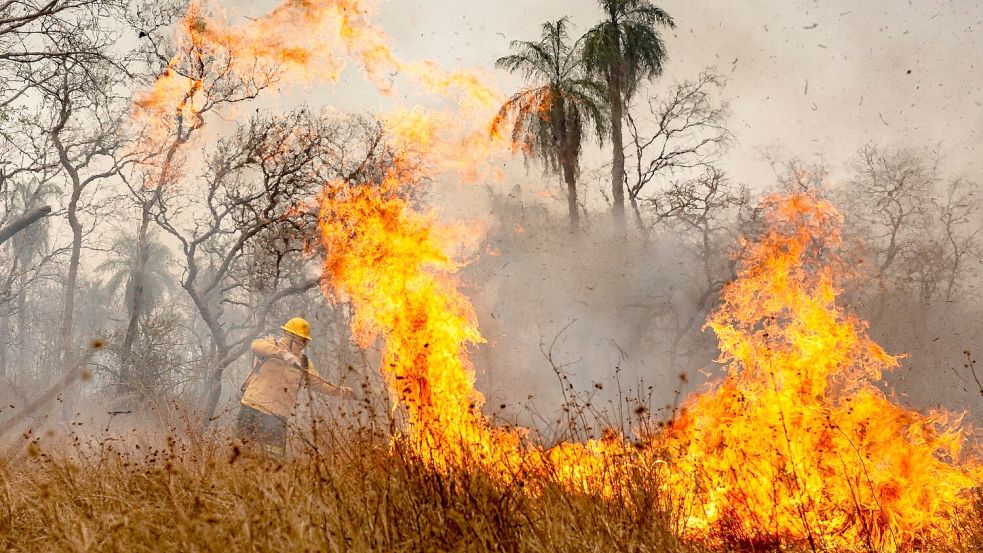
344, 487
363, 496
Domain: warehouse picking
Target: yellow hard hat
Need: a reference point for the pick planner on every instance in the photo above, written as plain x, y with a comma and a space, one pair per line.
298, 327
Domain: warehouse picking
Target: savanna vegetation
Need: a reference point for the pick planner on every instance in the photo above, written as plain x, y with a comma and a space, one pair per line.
141, 254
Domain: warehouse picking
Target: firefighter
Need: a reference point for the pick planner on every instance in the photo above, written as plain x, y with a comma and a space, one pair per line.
280, 369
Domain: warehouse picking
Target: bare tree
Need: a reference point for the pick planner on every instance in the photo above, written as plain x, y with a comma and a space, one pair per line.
915, 235
34, 33
86, 133
944, 238
208, 84
25, 155
243, 218
58, 99
707, 214
891, 188
36, 39
796, 175
684, 130
20, 263
958, 212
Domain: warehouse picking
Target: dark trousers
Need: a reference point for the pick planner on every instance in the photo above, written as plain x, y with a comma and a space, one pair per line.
268, 430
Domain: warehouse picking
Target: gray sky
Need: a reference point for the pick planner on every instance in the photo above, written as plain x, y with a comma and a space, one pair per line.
891, 71
900, 72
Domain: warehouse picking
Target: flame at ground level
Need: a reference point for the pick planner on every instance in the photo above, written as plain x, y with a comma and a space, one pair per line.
794, 446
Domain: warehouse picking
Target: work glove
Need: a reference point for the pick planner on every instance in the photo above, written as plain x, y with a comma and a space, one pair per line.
289, 358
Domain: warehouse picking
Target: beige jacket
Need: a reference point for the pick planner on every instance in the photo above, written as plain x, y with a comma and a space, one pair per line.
273, 385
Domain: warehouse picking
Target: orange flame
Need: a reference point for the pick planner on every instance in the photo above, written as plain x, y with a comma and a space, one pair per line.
298, 41
302, 41
388, 262
796, 445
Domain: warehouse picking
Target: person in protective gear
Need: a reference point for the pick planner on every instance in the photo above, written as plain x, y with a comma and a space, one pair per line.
280, 369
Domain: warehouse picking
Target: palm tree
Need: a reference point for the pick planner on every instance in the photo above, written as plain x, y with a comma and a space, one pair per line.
26, 247
121, 267
551, 118
138, 266
625, 49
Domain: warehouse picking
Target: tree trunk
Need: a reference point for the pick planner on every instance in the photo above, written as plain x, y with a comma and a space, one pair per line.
638, 217
68, 360
220, 349
138, 280
4, 337
71, 282
214, 388
20, 344
618, 149
570, 177
67, 345
951, 280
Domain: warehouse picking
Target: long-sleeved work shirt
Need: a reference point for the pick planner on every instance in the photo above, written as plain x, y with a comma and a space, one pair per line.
273, 385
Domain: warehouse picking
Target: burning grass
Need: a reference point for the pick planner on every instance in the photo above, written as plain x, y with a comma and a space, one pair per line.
799, 443
796, 447
344, 487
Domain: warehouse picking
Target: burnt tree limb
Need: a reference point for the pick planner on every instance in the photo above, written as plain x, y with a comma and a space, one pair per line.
24, 221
